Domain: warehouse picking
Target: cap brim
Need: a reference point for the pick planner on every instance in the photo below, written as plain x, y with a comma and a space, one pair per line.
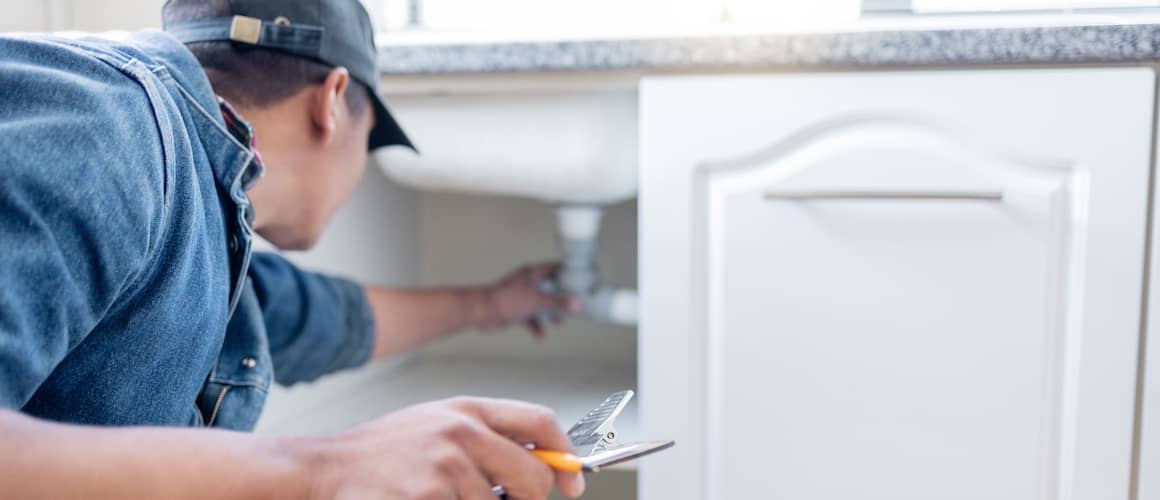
387, 131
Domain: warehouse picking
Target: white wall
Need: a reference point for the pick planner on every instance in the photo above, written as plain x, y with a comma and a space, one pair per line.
90, 15
22, 15
82, 15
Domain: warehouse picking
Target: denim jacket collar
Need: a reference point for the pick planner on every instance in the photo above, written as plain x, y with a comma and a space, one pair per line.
230, 160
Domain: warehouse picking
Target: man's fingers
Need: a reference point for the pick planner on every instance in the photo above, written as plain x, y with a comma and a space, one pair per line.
567, 303
537, 272
474, 486
570, 484
563, 303
510, 465
522, 422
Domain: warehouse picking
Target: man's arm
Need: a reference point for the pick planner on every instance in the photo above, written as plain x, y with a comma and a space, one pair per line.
448, 449
408, 319
47, 460
320, 324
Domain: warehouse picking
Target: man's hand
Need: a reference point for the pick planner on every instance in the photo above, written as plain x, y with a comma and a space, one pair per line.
517, 298
406, 320
452, 449
448, 450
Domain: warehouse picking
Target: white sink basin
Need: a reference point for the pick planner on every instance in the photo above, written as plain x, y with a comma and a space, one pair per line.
559, 148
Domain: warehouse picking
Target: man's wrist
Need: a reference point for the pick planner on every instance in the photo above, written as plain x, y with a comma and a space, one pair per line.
480, 308
297, 467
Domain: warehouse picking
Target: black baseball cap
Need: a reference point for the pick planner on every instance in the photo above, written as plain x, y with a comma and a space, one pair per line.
334, 32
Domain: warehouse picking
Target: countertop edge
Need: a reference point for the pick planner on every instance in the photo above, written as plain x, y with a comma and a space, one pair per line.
1005, 45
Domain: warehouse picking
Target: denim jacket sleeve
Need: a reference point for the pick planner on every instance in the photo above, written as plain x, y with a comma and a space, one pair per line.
316, 324
62, 275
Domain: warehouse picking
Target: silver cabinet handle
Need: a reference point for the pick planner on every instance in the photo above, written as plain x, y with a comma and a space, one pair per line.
988, 196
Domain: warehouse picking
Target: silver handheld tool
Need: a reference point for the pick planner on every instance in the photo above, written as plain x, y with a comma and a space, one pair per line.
595, 441
595, 432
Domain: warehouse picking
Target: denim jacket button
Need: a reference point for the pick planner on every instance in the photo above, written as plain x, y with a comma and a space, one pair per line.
249, 362
233, 243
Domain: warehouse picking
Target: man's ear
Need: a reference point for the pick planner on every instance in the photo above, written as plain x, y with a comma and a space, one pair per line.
328, 102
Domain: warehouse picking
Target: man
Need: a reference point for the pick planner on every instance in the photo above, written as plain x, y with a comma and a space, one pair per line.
134, 174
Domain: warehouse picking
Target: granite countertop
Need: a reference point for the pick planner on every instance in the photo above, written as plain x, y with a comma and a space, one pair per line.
902, 42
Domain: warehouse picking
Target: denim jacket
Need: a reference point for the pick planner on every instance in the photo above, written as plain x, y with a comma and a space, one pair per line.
128, 293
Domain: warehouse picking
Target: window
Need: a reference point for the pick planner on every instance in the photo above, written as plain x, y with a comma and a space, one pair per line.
545, 15
952, 6
551, 16
570, 16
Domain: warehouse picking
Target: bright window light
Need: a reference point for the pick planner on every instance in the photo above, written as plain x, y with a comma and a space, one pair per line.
788, 13
570, 16
545, 15
935, 6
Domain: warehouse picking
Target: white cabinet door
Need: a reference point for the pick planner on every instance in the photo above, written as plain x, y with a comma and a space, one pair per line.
1148, 468
902, 286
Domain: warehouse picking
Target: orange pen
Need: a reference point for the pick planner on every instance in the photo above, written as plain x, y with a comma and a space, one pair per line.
563, 462
567, 462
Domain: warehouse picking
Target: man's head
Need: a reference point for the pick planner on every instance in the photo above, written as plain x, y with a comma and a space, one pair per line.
313, 120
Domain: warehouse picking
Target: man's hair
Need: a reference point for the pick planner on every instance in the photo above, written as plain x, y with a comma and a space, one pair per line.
254, 76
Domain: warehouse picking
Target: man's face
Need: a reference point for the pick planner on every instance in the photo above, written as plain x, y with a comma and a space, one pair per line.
315, 150
332, 176
314, 145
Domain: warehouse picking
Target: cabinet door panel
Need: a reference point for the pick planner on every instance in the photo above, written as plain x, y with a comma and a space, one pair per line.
895, 286
884, 341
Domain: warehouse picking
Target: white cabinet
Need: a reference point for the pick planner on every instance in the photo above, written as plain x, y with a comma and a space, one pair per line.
897, 286
1148, 470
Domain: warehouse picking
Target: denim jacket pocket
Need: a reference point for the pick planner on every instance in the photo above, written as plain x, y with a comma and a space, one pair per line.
231, 406
235, 392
